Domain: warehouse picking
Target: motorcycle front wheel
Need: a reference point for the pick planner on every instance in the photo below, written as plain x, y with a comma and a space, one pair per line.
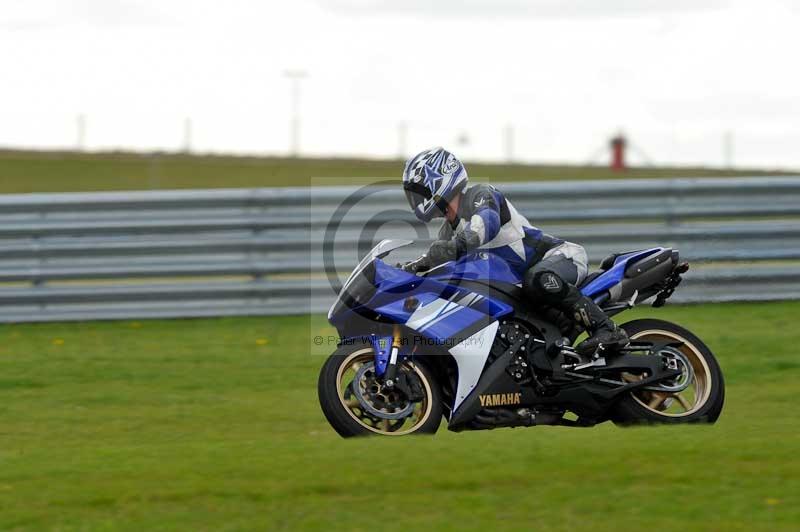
703, 390
357, 403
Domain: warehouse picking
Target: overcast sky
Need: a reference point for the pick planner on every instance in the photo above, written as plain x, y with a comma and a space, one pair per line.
675, 75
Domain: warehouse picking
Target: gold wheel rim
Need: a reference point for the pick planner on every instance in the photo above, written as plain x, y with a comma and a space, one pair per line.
685, 402
422, 411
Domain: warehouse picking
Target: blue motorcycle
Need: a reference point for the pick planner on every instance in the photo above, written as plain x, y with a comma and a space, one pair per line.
460, 342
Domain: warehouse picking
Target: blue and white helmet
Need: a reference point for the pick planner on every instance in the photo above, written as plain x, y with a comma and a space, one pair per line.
430, 180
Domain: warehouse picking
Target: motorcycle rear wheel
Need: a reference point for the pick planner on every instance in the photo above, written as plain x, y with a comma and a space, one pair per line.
349, 417
700, 402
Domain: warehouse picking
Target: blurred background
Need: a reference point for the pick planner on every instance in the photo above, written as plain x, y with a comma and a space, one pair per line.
699, 83
180, 159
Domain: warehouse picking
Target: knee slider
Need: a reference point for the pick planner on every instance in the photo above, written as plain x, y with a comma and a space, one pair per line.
547, 286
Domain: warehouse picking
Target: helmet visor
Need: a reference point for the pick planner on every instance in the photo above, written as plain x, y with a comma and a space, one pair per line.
416, 194
414, 198
425, 206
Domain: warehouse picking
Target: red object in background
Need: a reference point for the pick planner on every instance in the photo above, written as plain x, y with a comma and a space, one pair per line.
618, 153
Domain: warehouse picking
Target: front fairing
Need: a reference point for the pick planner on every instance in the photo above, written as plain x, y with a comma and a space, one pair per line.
437, 312
360, 285
380, 293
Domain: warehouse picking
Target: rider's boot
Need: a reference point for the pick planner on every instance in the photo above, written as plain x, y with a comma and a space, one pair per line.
602, 331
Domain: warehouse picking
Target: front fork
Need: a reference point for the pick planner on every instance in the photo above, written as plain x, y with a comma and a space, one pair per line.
387, 349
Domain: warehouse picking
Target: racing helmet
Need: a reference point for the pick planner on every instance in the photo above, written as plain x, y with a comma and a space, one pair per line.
430, 180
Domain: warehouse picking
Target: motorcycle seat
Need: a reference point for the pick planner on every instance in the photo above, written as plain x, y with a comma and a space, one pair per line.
644, 264
605, 265
591, 277
608, 262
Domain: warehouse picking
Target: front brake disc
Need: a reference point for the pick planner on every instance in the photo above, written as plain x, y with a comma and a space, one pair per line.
366, 403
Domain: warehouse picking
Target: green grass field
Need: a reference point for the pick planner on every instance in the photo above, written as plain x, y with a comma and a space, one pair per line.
214, 425
22, 172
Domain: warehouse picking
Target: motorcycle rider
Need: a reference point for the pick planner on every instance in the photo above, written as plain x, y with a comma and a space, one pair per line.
480, 217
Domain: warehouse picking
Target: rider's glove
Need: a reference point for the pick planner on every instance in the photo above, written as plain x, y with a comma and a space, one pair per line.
442, 251
421, 264
466, 241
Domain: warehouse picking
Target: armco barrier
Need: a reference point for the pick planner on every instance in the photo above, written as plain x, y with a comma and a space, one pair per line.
230, 252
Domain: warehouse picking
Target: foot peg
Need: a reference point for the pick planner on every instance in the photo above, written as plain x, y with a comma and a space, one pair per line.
603, 341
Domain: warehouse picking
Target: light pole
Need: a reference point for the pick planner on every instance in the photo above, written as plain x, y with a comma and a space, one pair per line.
727, 149
187, 134
508, 142
80, 140
402, 136
294, 77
